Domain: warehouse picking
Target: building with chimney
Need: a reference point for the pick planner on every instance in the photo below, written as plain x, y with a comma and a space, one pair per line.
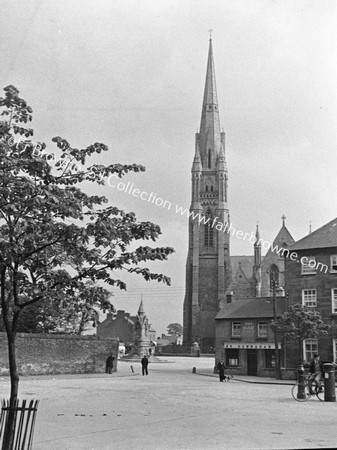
135, 332
311, 281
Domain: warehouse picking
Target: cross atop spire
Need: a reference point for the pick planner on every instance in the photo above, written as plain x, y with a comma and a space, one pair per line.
283, 220
210, 33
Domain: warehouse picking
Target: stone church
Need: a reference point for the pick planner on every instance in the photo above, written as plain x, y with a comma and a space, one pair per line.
213, 277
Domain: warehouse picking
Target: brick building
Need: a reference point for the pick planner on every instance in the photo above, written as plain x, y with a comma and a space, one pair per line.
244, 338
134, 331
119, 326
311, 280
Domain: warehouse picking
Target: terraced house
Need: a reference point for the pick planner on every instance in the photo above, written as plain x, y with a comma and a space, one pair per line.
311, 280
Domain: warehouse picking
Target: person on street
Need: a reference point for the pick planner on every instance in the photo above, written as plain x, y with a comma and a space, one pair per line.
316, 370
221, 369
109, 363
145, 363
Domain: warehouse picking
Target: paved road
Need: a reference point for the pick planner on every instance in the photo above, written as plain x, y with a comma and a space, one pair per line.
172, 408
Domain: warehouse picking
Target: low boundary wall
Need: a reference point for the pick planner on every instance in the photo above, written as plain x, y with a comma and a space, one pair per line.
44, 354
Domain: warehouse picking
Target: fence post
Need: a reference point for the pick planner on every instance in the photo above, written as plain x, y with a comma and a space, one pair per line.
24, 422
329, 382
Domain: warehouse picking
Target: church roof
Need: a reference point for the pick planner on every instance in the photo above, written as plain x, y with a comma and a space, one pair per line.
259, 307
243, 263
323, 237
283, 239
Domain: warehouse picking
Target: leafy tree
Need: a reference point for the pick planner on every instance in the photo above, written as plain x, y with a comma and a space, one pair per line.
299, 323
175, 328
57, 242
68, 315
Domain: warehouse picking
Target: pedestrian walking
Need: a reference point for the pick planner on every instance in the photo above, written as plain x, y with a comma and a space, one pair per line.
221, 369
109, 363
145, 363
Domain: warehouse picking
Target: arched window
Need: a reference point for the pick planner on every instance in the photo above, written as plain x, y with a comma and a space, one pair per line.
208, 236
209, 158
273, 276
212, 188
206, 189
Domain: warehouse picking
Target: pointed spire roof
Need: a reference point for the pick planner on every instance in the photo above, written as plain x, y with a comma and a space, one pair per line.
197, 166
257, 236
222, 159
210, 93
141, 307
210, 136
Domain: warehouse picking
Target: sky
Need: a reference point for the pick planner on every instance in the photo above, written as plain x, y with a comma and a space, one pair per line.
131, 74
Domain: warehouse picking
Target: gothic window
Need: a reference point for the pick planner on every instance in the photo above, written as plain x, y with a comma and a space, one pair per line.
209, 158
206, 189
273, 276
209, 238
212, 188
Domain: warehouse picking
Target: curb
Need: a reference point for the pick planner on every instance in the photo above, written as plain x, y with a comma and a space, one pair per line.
284, 383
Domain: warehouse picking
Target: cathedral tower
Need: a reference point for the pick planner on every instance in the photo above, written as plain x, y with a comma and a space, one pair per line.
208, 266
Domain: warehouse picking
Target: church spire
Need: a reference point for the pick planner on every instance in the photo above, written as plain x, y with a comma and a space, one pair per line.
141, 307
210, 135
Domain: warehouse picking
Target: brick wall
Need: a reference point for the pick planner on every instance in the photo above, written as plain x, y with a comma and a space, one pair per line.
42, 354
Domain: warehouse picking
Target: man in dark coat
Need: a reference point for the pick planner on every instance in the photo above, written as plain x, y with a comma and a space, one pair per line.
316, 370
109, 363
221, 369
145, 363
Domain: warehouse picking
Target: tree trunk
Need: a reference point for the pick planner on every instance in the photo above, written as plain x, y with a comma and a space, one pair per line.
300, 350
10, 425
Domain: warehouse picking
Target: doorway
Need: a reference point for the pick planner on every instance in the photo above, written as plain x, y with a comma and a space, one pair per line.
252, 362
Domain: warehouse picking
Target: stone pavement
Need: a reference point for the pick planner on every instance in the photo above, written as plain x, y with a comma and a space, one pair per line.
172, 408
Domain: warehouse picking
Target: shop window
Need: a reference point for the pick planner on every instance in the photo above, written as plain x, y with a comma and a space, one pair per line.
269, 359
232, 357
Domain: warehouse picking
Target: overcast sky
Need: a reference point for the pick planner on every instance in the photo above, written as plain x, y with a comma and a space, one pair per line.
131, 74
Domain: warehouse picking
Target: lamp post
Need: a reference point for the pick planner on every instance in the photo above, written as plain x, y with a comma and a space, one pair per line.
274, 283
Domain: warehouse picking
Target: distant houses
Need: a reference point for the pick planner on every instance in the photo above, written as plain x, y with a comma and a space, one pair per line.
135, 332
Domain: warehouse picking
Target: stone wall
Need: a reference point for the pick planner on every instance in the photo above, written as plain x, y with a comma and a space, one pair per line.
43, 354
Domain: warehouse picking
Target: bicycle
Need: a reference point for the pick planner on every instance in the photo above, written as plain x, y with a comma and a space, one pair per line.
307, 391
